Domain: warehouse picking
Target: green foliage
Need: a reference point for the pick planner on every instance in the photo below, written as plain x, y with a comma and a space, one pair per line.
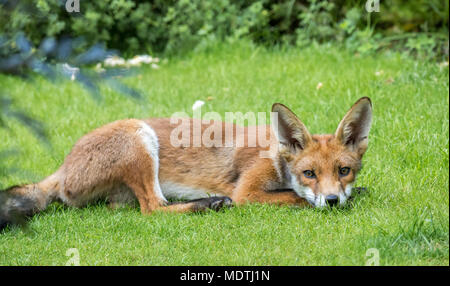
316, 22
178, 26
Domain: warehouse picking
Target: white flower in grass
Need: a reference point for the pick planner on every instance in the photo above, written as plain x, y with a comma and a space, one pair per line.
114, 61
197, 104
134, 62
319, 85
146, 59
140, 59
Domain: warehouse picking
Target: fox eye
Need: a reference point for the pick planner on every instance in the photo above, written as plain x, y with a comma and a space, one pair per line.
309, 174
344, 171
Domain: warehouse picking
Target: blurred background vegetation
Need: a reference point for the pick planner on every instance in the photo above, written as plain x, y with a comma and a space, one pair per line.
40, 36
171, 27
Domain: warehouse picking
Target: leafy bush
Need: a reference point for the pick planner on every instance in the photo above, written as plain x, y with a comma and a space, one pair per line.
172, 26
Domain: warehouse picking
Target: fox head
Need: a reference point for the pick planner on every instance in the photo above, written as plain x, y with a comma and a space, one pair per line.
322, 168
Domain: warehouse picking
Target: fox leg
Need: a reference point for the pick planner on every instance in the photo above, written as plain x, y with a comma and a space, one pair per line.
143, 181
111, 161
142, 177
144, 189
148, 192
254, 187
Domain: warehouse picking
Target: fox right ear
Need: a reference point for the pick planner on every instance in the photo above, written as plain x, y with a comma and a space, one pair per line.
290, 131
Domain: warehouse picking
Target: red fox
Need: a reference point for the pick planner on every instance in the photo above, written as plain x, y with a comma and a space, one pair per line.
132, 159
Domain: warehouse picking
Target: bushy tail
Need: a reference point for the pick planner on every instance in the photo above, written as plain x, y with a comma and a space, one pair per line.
14, 208
17, 203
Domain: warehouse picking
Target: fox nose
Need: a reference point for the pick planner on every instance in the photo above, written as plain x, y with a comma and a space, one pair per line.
331, 200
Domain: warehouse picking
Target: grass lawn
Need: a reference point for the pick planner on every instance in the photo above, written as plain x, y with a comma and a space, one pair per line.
404, 215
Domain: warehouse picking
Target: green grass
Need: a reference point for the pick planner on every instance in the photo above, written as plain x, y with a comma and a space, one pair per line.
405, 213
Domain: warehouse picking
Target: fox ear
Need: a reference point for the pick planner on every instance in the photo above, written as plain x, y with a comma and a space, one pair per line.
353, 131
290, 131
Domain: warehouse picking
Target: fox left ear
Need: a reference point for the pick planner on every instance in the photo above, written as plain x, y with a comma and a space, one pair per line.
353, 130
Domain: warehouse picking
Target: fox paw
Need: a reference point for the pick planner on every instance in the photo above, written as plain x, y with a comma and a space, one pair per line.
218, 203
213, 203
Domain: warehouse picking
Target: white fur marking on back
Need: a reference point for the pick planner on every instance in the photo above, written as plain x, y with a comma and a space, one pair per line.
178, 191
150, 141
